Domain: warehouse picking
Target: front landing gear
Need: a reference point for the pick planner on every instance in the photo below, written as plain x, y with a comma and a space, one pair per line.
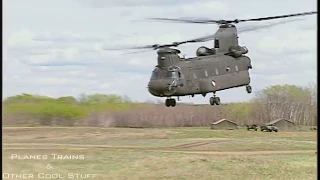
214, 100
170, 102
248, 89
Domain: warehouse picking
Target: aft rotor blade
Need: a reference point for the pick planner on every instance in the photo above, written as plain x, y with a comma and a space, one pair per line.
211, 21
242, 30
277, 17
201, 39
257, 27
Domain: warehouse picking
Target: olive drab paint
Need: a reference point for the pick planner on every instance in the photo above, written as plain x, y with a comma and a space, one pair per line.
226, 65
222, 67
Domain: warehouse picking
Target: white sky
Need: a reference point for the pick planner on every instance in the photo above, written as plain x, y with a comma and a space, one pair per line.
54, 47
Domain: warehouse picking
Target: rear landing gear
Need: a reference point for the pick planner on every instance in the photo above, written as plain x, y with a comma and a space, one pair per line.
214, 100
248, 89
170, 102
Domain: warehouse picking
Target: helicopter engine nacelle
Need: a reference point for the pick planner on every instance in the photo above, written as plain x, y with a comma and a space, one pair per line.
237, 51
204, 51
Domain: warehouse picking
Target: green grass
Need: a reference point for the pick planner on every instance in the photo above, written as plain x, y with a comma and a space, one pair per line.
154, 136
118, 164
163, 153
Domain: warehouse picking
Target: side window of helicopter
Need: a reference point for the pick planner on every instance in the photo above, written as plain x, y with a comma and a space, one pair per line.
206, 73
194, 76
217, 71
173, 74
169, 74
216, 43
154, 75
236, 67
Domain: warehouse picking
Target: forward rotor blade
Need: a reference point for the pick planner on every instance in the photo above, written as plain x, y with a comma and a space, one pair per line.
157, 46
135, 52
181, 20
200, 39
134, 47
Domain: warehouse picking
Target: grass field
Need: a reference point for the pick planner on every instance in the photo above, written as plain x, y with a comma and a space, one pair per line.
162, 153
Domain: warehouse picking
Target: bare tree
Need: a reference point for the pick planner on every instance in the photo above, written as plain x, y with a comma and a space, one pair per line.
285, 101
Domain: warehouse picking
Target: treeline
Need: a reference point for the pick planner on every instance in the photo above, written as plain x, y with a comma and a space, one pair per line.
298, 104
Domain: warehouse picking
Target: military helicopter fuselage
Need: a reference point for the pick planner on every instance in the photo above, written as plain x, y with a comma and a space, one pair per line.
175, 76
214, 69
198, 75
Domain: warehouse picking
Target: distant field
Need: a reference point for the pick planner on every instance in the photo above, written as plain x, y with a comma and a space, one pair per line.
163, 153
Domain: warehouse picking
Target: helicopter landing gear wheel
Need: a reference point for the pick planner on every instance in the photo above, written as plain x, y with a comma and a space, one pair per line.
173, 103
214, 100
248, 89
217, 101
170, 102
167, 103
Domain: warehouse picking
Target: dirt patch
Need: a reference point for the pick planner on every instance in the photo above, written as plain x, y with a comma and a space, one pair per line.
178, 147
247, 152
17, 130
161, 149
196, 144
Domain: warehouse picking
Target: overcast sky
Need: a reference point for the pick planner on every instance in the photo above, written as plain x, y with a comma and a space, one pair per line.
55, 47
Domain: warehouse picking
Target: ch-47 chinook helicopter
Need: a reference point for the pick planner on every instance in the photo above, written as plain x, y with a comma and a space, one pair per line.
214, 69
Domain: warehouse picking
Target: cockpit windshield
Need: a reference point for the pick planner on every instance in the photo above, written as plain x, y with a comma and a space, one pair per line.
162, 73
154, 75
172, 74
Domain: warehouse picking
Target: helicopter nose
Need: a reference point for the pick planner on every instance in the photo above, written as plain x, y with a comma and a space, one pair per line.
157, 86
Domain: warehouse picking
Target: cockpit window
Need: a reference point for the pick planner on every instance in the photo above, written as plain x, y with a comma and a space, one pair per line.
216, 43
172, 74
162, 73
154, 75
